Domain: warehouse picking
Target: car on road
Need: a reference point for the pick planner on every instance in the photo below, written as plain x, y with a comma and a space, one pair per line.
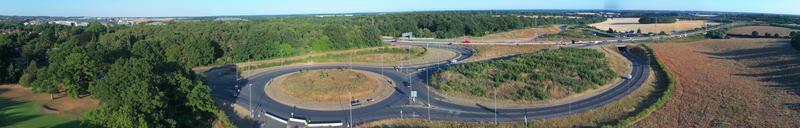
629, 76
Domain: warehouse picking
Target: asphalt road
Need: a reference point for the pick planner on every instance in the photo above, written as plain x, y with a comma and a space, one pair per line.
399, 105
250, 92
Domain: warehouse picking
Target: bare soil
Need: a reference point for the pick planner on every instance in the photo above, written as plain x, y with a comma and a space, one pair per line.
747, 30
632, 24
62, 106
329, 89
730, 83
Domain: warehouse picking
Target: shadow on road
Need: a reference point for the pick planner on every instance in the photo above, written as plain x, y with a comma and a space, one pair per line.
226, 82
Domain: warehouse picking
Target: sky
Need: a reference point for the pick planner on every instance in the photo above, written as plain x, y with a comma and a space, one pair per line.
168, 8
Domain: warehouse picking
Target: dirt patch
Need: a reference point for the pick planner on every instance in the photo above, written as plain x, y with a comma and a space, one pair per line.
748, 30
729, 83
492, 51
632, 24
329, 89
62, 106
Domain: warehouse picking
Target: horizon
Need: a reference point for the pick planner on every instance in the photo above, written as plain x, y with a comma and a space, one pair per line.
205, 8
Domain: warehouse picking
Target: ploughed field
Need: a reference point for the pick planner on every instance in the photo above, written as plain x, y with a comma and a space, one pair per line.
730, 83
632, 24
748, 30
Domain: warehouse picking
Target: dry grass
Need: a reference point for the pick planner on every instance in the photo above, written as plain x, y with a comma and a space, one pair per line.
491, 51
632, 24
328, 85
730, 83
521, 34
747, 30
62, 106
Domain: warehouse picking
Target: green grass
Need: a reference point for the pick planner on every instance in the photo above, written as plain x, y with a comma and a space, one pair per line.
15, 114
567, 69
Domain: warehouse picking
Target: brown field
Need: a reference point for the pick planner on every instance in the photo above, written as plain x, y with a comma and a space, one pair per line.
632, 24
329, 89
62, 106
730, 83
747, 30
491, 51
328, 85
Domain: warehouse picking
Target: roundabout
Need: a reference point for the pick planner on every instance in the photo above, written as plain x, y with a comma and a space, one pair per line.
410, 98
327, 89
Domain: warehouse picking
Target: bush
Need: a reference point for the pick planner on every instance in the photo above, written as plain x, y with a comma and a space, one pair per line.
573, 69
717, 34
796, 42
656, 20
26, 80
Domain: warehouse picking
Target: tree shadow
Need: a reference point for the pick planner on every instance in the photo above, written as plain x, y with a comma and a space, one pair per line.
9, 118
225, 90
778, 58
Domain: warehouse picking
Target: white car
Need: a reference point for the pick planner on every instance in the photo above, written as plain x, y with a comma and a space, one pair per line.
628, 76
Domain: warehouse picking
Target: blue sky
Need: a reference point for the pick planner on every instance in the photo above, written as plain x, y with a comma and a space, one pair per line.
143, 8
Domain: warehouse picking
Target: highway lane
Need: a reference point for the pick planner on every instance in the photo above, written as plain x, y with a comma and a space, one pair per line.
399, 101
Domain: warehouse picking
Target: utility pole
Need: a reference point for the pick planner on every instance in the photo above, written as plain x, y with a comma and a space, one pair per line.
250, 93
428, 75
495, 106
350, 123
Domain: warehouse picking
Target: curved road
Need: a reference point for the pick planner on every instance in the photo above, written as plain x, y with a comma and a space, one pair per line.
399, 105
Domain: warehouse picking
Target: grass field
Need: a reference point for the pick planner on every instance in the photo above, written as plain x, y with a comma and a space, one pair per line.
748, 30
632, 24
17, 112
328, 85
730, 83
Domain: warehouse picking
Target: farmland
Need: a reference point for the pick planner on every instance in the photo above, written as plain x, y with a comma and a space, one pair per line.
747, 30
729, 83
632, 24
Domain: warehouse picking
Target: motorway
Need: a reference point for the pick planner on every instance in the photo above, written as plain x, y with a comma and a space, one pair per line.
427, 105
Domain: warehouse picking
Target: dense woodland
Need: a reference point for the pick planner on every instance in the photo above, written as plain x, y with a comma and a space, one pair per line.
457, 24
531, 76
657, 20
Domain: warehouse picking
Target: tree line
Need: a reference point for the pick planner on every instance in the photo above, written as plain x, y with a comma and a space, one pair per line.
657, 20
457, 24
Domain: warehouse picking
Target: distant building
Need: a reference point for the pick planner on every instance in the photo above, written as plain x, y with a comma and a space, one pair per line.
229, 19
32, 22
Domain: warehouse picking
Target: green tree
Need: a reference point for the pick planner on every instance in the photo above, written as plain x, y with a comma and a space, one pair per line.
139, 93
754, 34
